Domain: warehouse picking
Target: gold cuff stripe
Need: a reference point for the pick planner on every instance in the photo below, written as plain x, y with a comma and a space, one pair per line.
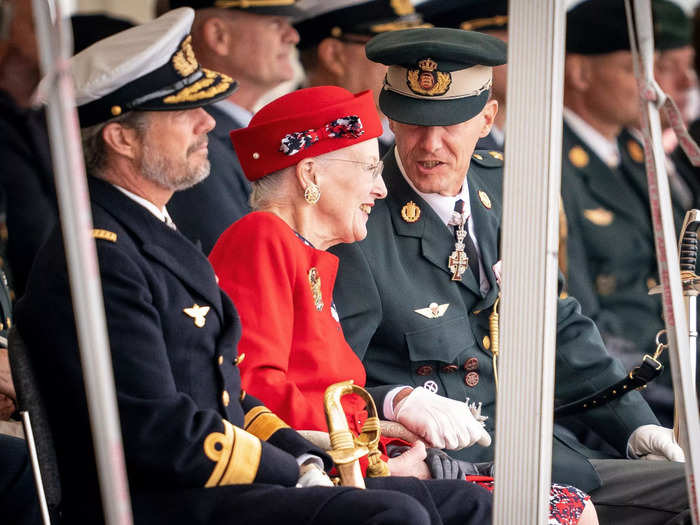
264, 423
252, 414
105, 235
217, 447
236, 453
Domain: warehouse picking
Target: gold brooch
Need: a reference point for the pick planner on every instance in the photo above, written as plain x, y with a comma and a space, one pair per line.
198, 313
315, 282
578, 156
427, 79
484, 198
635, 150
410, 212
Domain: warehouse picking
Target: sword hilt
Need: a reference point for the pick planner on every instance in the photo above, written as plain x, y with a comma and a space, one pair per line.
688, 244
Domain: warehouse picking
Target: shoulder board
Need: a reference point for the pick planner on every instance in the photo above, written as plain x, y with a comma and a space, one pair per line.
488, 158
105, 235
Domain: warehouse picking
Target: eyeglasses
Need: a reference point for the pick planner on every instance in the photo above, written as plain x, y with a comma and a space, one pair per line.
376, 168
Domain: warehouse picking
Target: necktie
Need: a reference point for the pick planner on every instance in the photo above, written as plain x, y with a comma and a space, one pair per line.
469, 247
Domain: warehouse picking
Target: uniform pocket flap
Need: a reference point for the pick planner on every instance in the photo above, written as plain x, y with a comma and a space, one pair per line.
444, 341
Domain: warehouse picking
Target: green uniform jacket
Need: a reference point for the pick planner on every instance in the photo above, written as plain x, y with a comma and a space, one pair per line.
610, 246
402, 266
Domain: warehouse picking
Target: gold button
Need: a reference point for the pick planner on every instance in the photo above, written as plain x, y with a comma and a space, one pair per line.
256, 155
221, 360
225, 398
116, 111
486, 341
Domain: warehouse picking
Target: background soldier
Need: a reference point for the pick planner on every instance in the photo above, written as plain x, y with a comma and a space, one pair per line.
253, 43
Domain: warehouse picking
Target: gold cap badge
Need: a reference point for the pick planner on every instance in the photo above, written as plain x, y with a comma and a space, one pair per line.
484, 198
198, 313
428, 79
410, 212
635, 150
578, 156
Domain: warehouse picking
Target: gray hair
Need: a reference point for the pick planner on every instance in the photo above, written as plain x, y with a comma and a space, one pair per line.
270, 189
94, 147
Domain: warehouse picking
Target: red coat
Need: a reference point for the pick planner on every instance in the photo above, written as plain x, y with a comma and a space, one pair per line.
293, 351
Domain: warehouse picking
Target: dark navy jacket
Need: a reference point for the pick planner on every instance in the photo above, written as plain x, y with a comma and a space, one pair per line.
176, 379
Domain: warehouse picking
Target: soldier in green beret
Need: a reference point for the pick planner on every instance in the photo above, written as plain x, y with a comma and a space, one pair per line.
415, 296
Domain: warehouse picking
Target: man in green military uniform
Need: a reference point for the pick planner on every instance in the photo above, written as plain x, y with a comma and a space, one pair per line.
611, 254
415, 296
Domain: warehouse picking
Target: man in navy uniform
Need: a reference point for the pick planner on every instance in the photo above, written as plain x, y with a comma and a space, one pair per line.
197, 448
253, 43
415, 296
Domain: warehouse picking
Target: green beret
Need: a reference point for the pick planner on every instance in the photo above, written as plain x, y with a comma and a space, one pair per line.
672, 27
472, 16
437, 76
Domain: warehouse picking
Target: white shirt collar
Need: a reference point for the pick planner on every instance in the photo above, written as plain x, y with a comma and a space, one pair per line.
161, 214
608, 151
236, 112
444, 206
387, 136
498, 135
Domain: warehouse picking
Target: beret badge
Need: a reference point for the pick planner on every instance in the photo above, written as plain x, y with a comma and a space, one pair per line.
428, 79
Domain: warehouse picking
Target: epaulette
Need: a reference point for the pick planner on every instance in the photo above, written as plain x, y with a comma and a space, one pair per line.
105, 235
488, 158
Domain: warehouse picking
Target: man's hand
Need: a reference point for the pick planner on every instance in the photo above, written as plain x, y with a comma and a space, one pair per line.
411, 462
311, 475
654, 442
441, 422
7, 387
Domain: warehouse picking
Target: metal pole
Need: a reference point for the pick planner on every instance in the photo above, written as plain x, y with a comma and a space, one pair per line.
34, 460
529, 249
666, 254
53, 34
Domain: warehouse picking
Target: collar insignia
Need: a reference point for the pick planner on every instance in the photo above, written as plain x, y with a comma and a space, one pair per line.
433, 311
198, 313
599, 216
578, 157
410, 212
315, 283
485, 200
428, 79
635, 150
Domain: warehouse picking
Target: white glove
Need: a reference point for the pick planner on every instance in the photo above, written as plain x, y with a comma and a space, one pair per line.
655, 443
311, 475
439, 421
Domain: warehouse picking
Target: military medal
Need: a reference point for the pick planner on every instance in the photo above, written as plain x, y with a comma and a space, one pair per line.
433, 311
198, 313
315, 283
459, 261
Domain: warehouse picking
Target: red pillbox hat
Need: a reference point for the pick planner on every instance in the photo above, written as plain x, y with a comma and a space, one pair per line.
305, 123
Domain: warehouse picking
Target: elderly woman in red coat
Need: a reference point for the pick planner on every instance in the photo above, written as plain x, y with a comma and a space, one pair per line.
312, 158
